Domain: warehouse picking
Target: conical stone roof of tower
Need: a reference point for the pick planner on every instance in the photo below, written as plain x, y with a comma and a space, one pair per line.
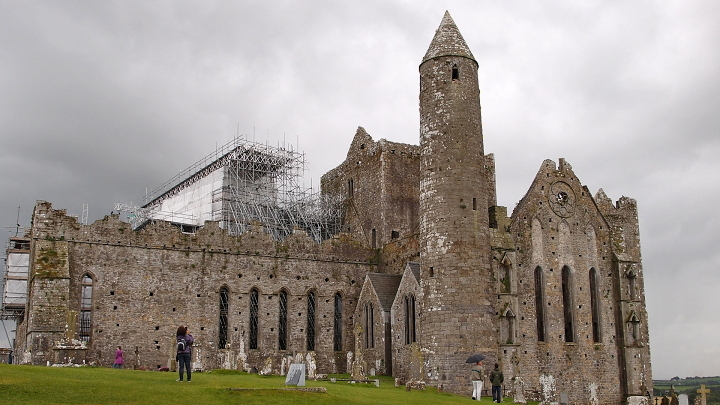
448, 41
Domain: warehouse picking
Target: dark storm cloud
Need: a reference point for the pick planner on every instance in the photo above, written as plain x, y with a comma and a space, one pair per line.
99, 100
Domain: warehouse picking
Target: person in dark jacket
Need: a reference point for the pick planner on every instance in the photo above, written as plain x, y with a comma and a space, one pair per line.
496, 379
184, 351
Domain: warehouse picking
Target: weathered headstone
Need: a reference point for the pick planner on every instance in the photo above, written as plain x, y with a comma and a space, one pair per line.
665, 401
296, 375
703, 391
683, 399
519, 391
564, 400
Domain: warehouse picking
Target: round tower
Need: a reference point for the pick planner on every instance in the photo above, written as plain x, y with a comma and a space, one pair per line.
456, 310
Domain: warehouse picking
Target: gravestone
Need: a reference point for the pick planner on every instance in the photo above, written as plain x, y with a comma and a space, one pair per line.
683, 399
702, 391
564, 400
665, 401
518, 391
296, 375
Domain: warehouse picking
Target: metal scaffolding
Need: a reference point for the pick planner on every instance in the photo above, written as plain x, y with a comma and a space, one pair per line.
242, 183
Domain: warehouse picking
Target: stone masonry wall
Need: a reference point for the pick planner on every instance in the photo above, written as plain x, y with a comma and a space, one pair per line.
146, 283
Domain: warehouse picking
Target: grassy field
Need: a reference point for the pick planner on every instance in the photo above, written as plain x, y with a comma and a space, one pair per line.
91, 385
689, 386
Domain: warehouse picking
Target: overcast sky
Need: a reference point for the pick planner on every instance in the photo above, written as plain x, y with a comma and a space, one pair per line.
100, 100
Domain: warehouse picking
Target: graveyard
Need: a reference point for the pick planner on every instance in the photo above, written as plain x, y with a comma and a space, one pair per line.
691, 387
24, 384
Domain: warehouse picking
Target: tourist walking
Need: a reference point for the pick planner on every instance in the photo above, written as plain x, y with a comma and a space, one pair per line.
184, 351
119, 359
477, 376
496, 379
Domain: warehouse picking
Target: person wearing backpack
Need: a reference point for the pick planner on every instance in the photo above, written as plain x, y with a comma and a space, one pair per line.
184, 351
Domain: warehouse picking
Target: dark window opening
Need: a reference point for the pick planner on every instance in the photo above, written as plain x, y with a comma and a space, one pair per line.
223, 322
455, 73
474, 204
86, 309
374, 238
369, 323
410, 336
310, 321
282, 321
337, 336
568, 304
254, 297
595, 305
540, 303
394, 234
351, 188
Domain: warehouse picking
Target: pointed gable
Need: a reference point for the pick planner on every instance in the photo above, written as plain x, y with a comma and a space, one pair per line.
448, 41
385, 287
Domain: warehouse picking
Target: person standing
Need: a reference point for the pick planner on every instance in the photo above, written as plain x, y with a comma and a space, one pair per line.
119, 359
184, 351
477, 376
496, 379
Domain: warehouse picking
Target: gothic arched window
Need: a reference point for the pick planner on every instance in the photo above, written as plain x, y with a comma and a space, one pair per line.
310, 321
337, 336
254, 298
86, 308
567, 294
282, 320
595, 305
223, 322
410, 336
540, 303
369, 326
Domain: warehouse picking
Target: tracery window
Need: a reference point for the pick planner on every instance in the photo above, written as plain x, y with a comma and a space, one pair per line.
86, 308
567, 293
595, 305
282, 320
540, 303
223, 322
410, 336
311, 321
337, 336
254, 298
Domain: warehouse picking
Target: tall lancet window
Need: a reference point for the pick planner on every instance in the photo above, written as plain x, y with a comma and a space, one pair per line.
540, 303
254, 297
86, 308
567, 295
223, 321
595, 305
311, 321
410, 336
282, 320
455, 73
337, 336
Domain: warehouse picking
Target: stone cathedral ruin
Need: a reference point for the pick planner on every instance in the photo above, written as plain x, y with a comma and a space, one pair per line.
402, 265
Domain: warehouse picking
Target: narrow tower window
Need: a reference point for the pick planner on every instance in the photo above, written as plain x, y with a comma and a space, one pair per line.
631, 285
311, 321
337, 336
540, 303
282, 321
351, 188
223, 322
568, 304
455, 73
374, 238
254, 318
86, 308
595, 305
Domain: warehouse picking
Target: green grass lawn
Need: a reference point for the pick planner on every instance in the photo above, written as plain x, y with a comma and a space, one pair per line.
94, 385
